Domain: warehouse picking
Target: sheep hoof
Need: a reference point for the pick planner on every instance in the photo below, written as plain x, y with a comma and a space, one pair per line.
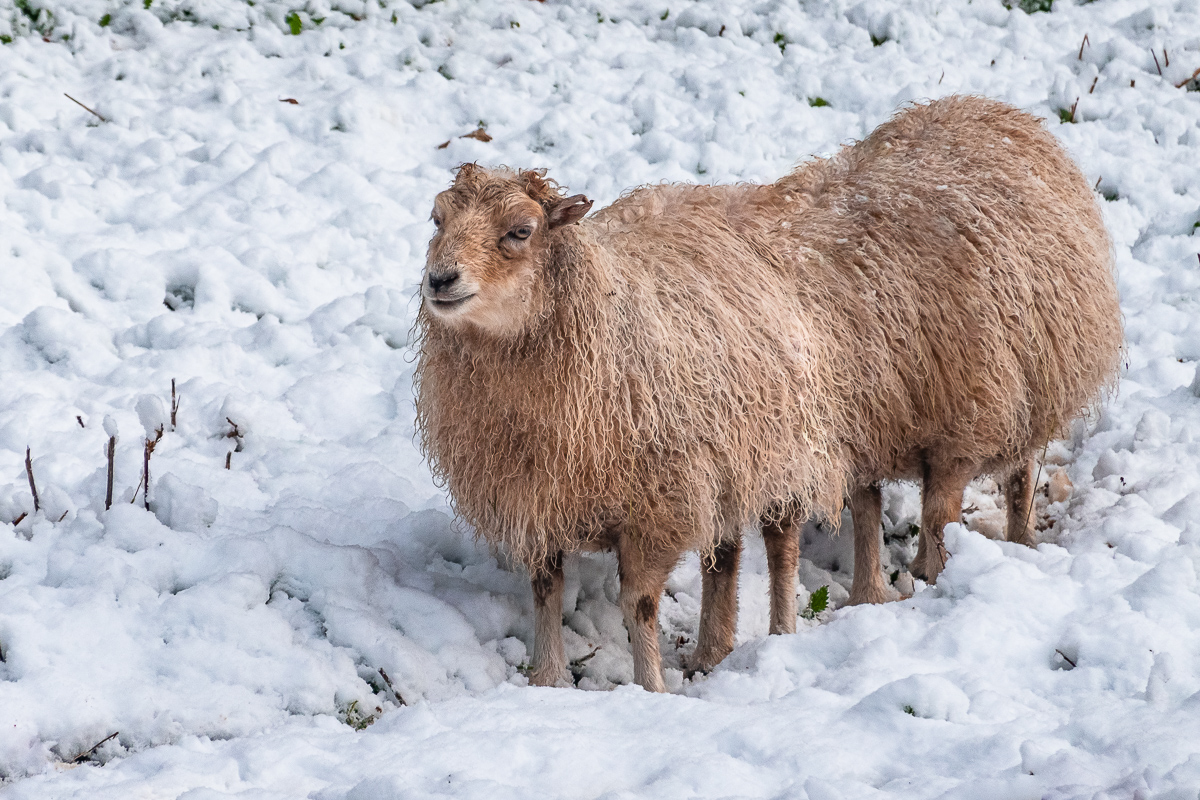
703, 661
556, 678
873, 595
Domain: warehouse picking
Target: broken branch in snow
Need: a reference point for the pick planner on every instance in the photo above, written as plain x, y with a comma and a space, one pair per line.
112, 454
149, 451
93, 748
388, 681
37, 503
1188, 80
85, 108
235, 433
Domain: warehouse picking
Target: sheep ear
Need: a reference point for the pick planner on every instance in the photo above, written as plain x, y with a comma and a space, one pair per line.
568, 210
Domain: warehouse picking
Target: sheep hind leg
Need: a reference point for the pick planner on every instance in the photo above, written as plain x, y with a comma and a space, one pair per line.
783, 557
549, 666
866, 507
718, 605
941, 503
1019, 494
643, 574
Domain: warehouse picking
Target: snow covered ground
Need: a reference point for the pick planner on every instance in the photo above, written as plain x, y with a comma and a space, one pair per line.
250, 218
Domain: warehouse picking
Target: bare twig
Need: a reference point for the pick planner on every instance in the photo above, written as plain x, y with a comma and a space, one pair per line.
1156, 65
1081, 44
1166, 58
388, 681
1064, 658
229, 460
1033, 489
37, 503
1185, 81
79, 419
17, 521
1074, 106
112, 454
174, 404
81, 105
235, 433
1095, 80
93, 748
149, 451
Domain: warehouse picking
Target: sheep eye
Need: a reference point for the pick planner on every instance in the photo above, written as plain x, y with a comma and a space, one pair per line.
437, 221
522, 232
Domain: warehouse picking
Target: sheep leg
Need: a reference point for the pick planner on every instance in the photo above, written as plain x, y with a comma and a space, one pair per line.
718, 605
549, 666
941, 504
1018, 491
643, 574
783, 557
866, 507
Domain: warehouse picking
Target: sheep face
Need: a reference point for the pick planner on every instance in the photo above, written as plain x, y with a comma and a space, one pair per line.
494, 233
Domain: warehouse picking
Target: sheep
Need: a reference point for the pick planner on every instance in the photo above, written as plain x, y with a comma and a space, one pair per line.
931, 303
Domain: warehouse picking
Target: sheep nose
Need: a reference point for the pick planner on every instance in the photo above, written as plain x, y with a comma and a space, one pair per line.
442, 281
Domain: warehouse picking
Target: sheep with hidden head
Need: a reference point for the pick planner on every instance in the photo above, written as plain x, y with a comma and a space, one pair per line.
931, 303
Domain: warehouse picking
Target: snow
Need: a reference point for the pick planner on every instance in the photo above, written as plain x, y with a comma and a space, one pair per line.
265, 254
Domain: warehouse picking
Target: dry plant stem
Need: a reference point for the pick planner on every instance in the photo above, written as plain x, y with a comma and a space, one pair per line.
388, 681
1081, 44
1064, 656
79, 419
93, 748
112, 454
37, 503
1095, 80
1184, 82
1156, 64
149, 451
229, 459
174, 404
85, 108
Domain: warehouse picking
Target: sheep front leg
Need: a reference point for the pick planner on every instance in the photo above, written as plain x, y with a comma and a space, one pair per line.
718, 605
643, 574
783, 558
866, 508
941, 503
549, 666
1018, 492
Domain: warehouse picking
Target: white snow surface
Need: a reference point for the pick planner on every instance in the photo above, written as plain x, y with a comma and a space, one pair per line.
265, 255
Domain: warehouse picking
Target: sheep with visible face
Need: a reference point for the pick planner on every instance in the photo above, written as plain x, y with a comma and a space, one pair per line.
933, 302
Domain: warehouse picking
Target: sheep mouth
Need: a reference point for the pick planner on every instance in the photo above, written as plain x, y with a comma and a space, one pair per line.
449, 304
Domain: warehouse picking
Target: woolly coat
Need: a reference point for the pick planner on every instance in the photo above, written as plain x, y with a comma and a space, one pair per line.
941, 291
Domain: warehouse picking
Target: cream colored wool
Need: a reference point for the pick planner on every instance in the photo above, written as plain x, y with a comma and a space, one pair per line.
936, 298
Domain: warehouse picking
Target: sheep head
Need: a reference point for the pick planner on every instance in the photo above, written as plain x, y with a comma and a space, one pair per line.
495, 228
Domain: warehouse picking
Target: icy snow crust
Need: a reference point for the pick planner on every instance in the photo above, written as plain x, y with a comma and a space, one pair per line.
266, 255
